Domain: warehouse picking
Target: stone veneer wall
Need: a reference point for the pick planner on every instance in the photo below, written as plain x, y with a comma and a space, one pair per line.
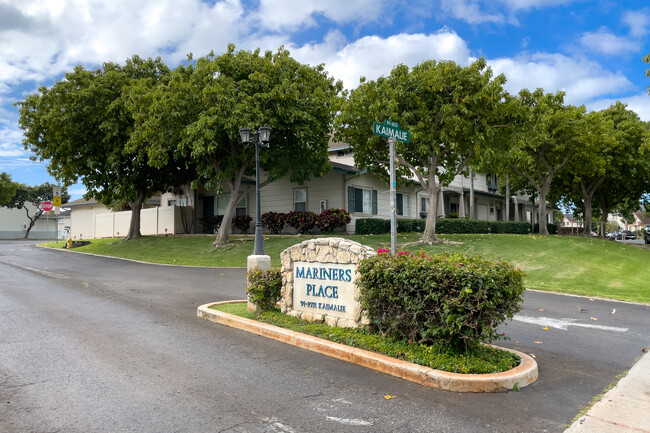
323, 251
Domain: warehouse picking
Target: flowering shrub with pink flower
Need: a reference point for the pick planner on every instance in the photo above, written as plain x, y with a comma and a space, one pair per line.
448, 298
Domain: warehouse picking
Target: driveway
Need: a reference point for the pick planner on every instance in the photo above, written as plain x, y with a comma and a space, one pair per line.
98, 344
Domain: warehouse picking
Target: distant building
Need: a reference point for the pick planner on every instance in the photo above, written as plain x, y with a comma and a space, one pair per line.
362, 194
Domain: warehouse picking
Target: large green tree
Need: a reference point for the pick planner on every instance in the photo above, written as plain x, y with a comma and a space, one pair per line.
544, 140
82, 125
628, 172
26, 195
593, 160
450, 111
200, 111
7, 188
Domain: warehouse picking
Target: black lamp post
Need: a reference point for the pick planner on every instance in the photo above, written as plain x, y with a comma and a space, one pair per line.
261, 139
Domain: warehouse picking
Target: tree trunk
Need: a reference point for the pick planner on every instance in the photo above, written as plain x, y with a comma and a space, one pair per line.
224, 229
136, 208
429, 234
32, 221
472, 212
587, 194
541, 210
507, 216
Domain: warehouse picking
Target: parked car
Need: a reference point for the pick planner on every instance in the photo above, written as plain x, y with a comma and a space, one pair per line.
646, 234
611, 235
627, 233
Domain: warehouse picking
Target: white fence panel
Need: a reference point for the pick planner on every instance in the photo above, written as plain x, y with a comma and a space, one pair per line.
149, 221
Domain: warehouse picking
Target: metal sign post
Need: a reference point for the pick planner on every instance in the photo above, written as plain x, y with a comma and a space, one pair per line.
393, 195
390, 130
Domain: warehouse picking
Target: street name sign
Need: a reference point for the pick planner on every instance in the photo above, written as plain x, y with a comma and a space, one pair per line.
390, 129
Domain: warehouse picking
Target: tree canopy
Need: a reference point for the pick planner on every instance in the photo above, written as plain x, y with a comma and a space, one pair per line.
7, 189
544, 140
82, 125
25, 195
451, 111
200, 111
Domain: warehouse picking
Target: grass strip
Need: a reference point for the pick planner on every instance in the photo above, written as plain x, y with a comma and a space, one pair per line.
477, 361
565, 264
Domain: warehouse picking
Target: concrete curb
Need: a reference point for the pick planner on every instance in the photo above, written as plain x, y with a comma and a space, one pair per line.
518, 377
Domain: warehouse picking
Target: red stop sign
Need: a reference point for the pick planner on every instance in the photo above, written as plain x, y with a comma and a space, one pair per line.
47, 206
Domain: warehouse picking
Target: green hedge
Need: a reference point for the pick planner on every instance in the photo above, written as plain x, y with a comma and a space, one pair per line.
265, 288
449, 299
552, 229
371, 226
377, 226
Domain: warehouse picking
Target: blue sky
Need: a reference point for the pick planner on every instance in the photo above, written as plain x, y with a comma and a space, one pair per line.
590, 49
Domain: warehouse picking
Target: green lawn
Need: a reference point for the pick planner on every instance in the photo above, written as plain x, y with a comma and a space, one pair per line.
564, 264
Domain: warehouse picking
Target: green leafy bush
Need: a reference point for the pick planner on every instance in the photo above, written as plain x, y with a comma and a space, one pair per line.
302, 221
371, 226
330, 219
552, 229
451, 298
265, 288
211, 223
242, 222
376, 226
273, 221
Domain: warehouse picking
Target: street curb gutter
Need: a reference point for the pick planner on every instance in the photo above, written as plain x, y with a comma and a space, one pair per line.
522, 375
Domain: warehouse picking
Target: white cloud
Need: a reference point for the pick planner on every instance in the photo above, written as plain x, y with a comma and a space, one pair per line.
373, 56
469, 11
516, 5
606, 42
640, 104
55, 36
582, 79
638, 21
294, 14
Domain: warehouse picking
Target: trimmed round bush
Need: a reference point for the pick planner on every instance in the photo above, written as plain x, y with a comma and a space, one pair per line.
448, 298
331, 219
302, 221
242, 222
273, 221
265, 288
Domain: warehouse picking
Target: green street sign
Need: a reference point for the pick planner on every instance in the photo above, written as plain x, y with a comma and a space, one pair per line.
390, 129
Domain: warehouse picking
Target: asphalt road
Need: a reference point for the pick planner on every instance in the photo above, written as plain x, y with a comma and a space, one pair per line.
92, 344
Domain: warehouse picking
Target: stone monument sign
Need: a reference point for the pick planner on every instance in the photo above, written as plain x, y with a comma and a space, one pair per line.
318, 281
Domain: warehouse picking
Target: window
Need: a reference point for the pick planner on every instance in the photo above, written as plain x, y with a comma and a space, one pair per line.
491, 180
453, 208
424, 204
179, 201
222, 204
300, 199
491, 207
362, 200
403, 205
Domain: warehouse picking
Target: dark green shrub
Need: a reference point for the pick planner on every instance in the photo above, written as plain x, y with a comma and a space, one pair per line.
211, 223
242, 222
403, 225
265, 288
330, 219
301, 220
371, 226
451, 298
376, 226
552, 229
273, 221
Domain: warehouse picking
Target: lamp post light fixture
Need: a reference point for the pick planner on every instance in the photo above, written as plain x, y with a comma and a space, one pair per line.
261, 139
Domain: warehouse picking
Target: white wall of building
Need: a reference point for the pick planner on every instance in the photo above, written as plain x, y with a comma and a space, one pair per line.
14, 222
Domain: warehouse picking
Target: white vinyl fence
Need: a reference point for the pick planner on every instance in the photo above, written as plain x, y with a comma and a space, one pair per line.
157, 220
